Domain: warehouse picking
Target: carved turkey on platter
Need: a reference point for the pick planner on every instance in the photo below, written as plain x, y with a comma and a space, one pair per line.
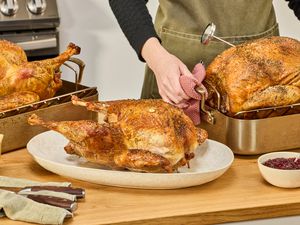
138, 135
256, 74
23, 82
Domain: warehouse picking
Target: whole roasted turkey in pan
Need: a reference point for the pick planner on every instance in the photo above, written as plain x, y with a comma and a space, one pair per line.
23, 82
256, 74
138, 135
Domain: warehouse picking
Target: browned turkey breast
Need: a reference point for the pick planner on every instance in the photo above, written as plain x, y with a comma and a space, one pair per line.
256, 74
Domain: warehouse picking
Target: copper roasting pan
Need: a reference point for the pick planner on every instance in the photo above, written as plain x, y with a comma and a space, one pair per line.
246, 136
13, 123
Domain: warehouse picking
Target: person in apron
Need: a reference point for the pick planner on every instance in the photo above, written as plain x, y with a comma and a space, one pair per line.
179, 25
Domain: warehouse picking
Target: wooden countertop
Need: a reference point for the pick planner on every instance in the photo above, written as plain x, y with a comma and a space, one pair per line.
240, 194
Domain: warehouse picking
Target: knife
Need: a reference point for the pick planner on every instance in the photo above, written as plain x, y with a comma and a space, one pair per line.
54, 201
50, 200
78, 192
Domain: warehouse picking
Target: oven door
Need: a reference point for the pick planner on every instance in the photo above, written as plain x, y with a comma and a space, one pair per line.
38, 44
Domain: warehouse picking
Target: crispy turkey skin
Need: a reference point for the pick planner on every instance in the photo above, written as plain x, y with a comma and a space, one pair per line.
138, 135
17, 75
256, 74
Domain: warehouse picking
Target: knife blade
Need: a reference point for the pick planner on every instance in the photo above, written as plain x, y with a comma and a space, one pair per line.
78, 192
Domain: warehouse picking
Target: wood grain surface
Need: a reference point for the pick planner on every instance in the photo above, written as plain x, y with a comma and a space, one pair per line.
240, 194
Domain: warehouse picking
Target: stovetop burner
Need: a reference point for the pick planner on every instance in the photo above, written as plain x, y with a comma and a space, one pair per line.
28, 15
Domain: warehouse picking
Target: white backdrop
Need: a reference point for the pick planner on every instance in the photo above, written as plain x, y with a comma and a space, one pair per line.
111, 64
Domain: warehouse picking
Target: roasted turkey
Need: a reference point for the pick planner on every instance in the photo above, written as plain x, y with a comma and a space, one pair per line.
38, 79
138, 135
256, 74
17, 99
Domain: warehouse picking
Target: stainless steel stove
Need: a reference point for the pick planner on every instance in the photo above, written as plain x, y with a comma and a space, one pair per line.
32, 24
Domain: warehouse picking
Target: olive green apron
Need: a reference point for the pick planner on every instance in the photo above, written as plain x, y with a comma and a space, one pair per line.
179, 24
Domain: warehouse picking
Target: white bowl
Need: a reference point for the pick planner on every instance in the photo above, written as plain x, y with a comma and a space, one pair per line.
279, 177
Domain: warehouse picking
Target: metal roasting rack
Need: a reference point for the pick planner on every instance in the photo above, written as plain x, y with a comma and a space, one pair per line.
63, 95
251, 132
260, 113
13, 123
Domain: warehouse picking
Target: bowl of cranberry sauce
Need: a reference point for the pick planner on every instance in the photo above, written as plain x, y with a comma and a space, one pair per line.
281, 169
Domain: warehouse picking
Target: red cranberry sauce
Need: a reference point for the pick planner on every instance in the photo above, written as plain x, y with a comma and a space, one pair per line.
283, 163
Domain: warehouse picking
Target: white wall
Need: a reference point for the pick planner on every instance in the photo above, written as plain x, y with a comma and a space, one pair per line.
111, 64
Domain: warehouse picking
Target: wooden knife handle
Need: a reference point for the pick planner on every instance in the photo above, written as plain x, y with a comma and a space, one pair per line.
79, 192
54, 201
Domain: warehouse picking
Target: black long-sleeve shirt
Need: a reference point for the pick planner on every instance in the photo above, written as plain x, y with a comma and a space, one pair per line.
136, 22
295, 6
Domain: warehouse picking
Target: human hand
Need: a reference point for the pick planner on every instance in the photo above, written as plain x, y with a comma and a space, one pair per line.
167, 69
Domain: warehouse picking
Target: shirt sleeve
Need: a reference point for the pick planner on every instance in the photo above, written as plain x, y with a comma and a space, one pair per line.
135, 22
295, 6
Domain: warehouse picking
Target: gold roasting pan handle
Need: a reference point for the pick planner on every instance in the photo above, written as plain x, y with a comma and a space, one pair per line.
205, 114
81, 66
